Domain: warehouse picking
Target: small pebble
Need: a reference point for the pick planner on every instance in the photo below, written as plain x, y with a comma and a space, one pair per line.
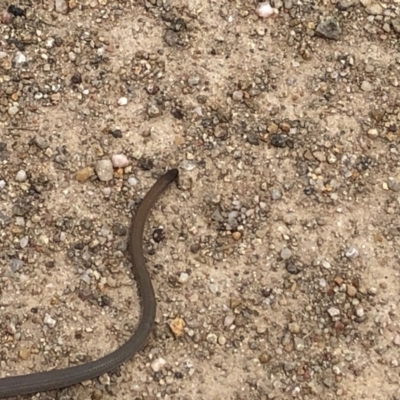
153, 111
217, 216
84, 174
351, 290
366, 86
236, 235
72, 56
111, 282
19, 59
395, 22
97, 394
85, 278
49, 321
104, 170
261, 31
24, 242
373, 133
24, 354
193, 80
177, 327
117, 133
13, 110
221, 340
393, 185
345, 4
264, 10
336, 370
360, 312
329, 29
351, 252
294, 327
279, 140
373, 291
293, 267
183, 277
41, 142
276, 194
299, 344
21, 176
105, 379
11, 329
188, 165
320, 156
331, 158
338, 280
232, 217
237, 96
132, 181
286, 253
49, 43
374, 9
2, 184
6, 18
157, 364
333, 312
122, 101
119, 161
198, 111
213, 287
61, 6
212, 338
326, 264
228, 320
16, 264
264, 358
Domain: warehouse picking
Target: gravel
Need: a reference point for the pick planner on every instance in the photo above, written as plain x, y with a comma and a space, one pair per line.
119, 161
104, 170
275, 258
21, 176
329, 29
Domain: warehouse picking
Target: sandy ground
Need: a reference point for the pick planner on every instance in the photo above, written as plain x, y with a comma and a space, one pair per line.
281, 249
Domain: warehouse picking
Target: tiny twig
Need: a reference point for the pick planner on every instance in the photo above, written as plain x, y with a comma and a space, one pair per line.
45, 22
22, 128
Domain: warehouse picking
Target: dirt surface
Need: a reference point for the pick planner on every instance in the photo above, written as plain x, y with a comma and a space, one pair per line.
279, 247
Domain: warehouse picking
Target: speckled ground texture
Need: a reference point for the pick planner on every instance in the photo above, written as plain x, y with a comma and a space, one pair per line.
279, 247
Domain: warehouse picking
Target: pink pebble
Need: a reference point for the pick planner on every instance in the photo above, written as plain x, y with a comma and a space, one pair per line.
119, 160
264, 10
